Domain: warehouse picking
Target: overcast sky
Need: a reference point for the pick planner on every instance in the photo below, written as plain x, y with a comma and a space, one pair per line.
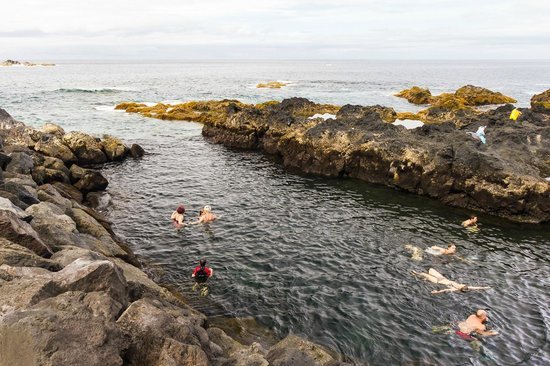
275, 29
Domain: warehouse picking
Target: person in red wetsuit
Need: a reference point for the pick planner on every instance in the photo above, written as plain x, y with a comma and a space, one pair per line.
201, 274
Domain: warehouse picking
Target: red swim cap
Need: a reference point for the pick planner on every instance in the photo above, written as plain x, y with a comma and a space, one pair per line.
181, 209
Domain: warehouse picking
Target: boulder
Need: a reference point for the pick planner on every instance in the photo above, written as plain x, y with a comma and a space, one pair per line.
20, 163
93, 276
74, 328
52, 224
416, 95
68, 191
177, 353
86, 148
151, 323
88, 180
53, 129
22, 192
136, 151
18, 256
18, 136
114, 149
47, 193
295, 351
541, 102
236, 353
86, 224
22, 233
13, 198
4, 161
7, 121
55, 146
44, 175
7, 205
476, 96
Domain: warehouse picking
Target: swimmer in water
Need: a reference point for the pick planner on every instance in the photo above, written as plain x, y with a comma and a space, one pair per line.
471, 222
206, 216
178, 216
474, 324
435, 250
416, 252
452, 286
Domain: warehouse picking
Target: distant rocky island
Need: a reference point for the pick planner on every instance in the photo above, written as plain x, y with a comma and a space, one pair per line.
23, 63
506, 177
272, 85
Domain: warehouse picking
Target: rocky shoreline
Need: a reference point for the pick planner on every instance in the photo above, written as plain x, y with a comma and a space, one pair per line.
506, 177
72, 292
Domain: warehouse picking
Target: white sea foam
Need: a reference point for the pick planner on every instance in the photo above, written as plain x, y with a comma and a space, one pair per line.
323, 116
172, 101
409, 123
105, 108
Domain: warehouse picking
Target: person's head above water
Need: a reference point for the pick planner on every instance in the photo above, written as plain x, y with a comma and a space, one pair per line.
482, 315
202, 262
451, 249
207, 208
180, 209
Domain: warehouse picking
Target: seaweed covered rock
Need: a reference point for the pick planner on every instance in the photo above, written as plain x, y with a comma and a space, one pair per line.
88, 150
272, 85
114, 149
55, 146
7, 121
53, 129
477, 96
541, 102
416, 95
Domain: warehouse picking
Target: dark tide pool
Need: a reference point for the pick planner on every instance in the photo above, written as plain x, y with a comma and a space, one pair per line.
325, 258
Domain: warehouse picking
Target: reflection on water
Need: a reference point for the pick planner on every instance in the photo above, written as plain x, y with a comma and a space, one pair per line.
326, 259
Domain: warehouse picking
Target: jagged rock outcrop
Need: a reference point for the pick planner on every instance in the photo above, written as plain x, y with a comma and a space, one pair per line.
416, 95
458, 107
505, 177
87, 149
541, 102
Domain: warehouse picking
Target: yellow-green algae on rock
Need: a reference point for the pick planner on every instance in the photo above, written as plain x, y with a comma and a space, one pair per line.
211, 111
541, 102
272, 85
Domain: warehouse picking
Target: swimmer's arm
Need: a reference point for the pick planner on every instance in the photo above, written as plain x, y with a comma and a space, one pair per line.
211, 272
478, 287
487, 332
444, 290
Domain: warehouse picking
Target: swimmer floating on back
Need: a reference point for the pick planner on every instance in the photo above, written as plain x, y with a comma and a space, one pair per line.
452, 286
435, 250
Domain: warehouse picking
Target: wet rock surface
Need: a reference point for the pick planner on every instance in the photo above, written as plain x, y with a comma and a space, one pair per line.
72, 293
